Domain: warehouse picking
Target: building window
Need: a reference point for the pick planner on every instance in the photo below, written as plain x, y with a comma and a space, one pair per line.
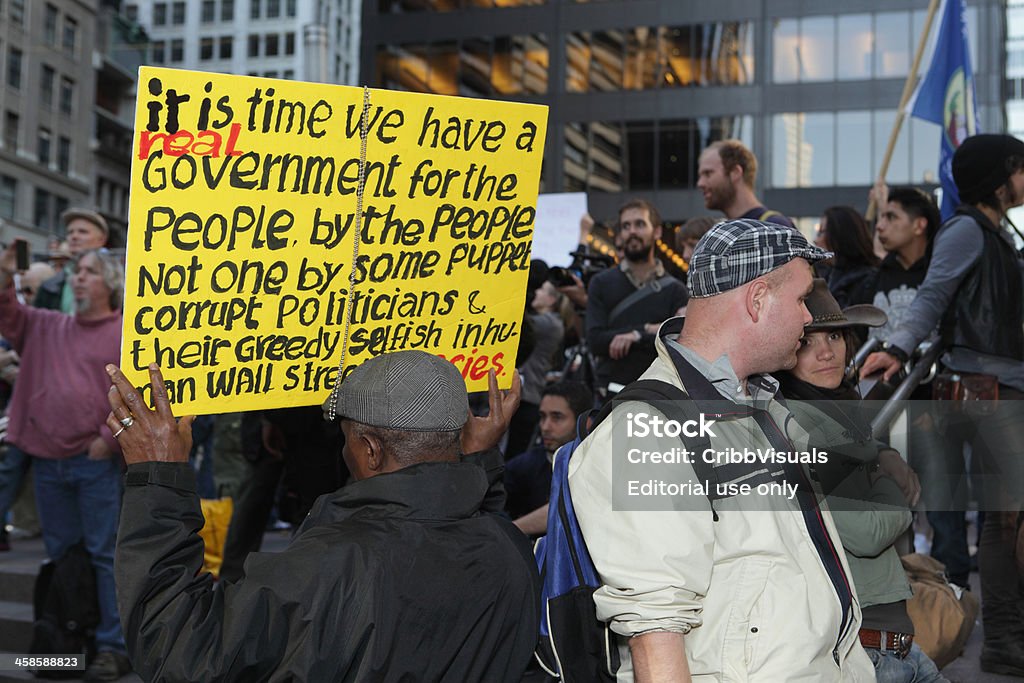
8, 193
160, 14
64, 155
206, 49
50, 25
271, 46
254, 45
60, 205
178, 13
47, 76
477, 67
401, 6
43, 147
273, 9
520, 65
227, 10
643, 57
254, 9
853, 52
159, 52
209, 11
177, 50
41, 214
11, 122
67, 95
18, 12
613, 156
893, 44
289, 8
848, 47
131, 12
270, 74
288, 74
817, 149
70, 35
804, 50
14, 68
226, 47
289, 43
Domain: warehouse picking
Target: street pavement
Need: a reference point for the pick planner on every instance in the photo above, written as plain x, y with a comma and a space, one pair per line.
18, 566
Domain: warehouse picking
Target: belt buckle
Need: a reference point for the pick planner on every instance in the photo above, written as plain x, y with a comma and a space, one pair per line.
903, 643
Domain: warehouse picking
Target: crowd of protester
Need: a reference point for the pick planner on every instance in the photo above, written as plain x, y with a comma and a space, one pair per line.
768, 315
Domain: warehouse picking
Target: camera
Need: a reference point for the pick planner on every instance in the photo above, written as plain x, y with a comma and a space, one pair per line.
584, 266
563, 277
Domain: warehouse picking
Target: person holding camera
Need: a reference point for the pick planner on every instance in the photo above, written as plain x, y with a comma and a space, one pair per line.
627, 304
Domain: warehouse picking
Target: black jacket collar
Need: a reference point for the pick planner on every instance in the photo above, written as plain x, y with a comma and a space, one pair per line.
428, 491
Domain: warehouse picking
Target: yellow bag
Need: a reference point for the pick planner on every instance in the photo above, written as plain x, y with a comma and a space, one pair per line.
217, 513
942, 620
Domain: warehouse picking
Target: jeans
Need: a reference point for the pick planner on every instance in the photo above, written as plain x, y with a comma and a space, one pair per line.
13, 467
80, 500
916, 667
949, 544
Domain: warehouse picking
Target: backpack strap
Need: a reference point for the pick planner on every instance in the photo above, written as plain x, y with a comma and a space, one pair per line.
677, 405
639, 295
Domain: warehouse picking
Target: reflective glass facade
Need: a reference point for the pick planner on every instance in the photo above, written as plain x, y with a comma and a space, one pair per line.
645, 57
851, 47
472, 67
400, 6
636, 90
624, 156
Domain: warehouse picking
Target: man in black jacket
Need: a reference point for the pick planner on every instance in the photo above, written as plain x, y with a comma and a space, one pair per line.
401, 575
626, 304
972, 293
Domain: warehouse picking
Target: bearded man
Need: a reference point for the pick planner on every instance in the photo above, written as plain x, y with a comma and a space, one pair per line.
628, 303
726, 173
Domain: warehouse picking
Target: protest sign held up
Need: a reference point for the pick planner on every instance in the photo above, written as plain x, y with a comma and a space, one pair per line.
244, 278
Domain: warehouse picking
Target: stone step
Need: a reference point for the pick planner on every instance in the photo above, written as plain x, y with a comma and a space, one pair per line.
15, 626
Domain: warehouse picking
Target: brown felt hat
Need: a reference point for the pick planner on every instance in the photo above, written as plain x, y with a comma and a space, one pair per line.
829, 316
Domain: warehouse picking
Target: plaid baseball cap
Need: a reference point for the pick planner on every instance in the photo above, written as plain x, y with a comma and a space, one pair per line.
412, 391
733, 253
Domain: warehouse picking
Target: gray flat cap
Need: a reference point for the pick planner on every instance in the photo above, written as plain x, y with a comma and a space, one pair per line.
409, 390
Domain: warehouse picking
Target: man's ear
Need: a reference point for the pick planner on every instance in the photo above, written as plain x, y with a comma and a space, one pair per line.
757, 299
736, 174
1002, 192
657, 232
920, 225
373, 449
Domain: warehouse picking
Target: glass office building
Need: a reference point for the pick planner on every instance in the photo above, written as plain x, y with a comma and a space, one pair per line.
637, 88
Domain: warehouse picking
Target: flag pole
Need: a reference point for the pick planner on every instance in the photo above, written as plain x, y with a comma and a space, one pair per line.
908, 90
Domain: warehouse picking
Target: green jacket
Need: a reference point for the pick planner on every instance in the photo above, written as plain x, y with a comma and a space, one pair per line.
869, 511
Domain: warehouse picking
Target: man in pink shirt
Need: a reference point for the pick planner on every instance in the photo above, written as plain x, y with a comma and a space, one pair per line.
56, 415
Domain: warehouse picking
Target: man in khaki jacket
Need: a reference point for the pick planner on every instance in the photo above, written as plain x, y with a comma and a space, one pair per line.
725, 582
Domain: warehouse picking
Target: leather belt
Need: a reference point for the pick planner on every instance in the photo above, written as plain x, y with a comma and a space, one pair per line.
887, 641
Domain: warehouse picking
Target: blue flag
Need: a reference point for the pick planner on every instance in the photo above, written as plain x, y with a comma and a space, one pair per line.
946, 96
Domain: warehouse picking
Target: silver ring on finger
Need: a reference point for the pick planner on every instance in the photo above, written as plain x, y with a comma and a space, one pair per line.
126, 422
118, 432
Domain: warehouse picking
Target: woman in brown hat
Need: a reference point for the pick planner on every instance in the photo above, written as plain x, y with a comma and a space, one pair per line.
868, 483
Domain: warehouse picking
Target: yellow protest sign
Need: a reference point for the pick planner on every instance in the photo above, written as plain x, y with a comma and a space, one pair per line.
244, 277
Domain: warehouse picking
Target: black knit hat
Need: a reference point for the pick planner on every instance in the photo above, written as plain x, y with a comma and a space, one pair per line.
982, 163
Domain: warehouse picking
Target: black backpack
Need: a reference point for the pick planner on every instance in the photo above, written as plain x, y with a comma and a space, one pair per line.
66, 610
